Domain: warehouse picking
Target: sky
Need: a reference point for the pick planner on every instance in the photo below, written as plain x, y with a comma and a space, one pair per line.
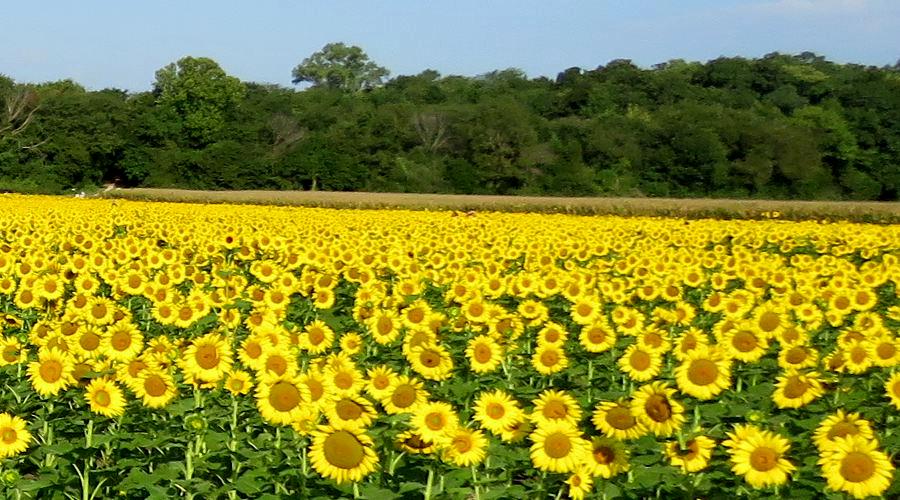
120, 44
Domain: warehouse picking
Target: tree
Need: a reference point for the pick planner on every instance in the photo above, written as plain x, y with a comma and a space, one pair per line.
338, 66
201, 94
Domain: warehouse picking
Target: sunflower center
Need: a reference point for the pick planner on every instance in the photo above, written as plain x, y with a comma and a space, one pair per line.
886, 350
89, 341
276, 365
584, 309
551, 336
653, 339
343, 450
620, 418
857, 467
658, 408
416, 315
381, 382
253, 349
385, 325
482, 353
604, 455
858, 354
596, 335
347, 409
744, 341
703, 372
763, 459
549, 358
557, 445
9, 435
691, 450
895, 389
316, 389
404, 396
640, 360
795, 355
120, 341
495, 411
207, 357
51, 371
842, 429
236, 384
462, 444
430, 358
10, 354
102, 398
435, 421
155, 386
343, 380
316, 336
284, 396
555, 409
795, 387
769, 321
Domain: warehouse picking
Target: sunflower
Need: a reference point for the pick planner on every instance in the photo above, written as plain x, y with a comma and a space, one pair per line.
431, 361
351, 343
208, 358
640, 364
123, 341
892, 389
342, 454
580, 483
52, 372
412, 443
354, 412
314, 380
14, 437
558, 447
552, 333
856, 466
704, 373
343, 379
484, 354
841, 425
693, 456
597, 337
156, 388
317, 338
857, 359
238, 382
12, 351
549, 359
794, 390
282, 401
555, 406
384, 325
655, 407
745, 345
379, 382
797, 357
404, 395
252, 350
466, 447
608, 457
616, 419
759, 456
496, 411
435, 422
688, 341
884, 350
105, 397
585, 310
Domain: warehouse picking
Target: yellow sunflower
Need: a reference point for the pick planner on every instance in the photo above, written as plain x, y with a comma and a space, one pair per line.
238, 382
892, 389
105, 397
350, 411
466, 447
341, 454
431, 361
282, 401
496, 411
794, 390
12, 351
693, 456
608, 457
52, 372
549, 359
208, 358
558, 447
14, 437
404, 395
840, 425
555, 406
597, 337
379, 382
122, 342
855, 466
435, 422
580, 483
640, 364
484, 354
656, 408
760, 457
616, 419
704, 373
156, 388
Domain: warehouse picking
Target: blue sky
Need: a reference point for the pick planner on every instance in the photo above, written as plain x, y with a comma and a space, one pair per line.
104, 43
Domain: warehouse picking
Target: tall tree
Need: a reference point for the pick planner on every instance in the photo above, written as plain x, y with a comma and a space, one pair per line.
339, 66
201, 94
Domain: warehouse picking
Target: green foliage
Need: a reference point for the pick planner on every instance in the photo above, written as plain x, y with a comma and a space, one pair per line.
779, 127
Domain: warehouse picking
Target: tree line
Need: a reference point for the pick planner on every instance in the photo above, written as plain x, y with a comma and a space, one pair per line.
779, 126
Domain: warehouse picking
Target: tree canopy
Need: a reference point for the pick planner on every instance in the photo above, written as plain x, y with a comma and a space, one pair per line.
780, 126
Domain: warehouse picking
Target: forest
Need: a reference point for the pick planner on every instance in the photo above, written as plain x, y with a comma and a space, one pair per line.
776, 127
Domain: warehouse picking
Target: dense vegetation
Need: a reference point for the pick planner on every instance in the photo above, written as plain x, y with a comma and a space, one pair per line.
776, 127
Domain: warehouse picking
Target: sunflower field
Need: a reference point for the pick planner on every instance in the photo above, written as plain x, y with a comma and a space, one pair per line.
154, 350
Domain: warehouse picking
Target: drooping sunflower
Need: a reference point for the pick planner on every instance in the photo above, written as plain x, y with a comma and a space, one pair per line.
616, 419
555, 406
51, 373
856, 466
404, 396
760, 457
208, 358
496, 410
704, 373
342, 454
435, 422
640, 364
608, 457
14, 437
693, 456
656, 408
839, 425
282, 401
466, 447
794, 390
558, 447
549, 359
105, 397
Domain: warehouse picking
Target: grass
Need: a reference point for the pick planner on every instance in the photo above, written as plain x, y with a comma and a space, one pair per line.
872, 212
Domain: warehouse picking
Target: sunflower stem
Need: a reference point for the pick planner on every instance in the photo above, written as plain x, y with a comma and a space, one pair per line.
429, 484
475, 483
